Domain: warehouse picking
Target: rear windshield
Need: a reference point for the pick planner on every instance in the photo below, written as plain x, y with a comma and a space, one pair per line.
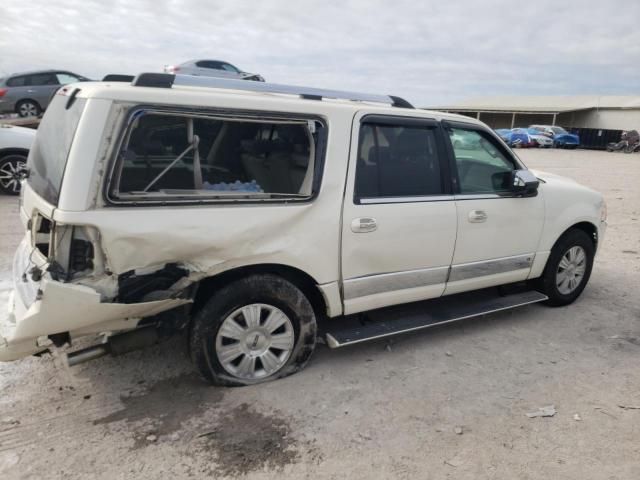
48, 155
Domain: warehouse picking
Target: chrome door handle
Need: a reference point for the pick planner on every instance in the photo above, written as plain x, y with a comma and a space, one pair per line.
364, 225
478, 216
30, 91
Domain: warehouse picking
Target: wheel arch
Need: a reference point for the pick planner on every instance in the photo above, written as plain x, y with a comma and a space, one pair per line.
305, 282
5, 152
587, 227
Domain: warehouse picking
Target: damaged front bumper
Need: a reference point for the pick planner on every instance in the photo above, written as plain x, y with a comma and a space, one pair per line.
38, 309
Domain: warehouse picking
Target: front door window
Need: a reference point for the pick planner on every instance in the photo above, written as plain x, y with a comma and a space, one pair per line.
483, 167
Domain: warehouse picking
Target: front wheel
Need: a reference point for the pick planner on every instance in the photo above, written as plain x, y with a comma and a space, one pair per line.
568, 268
256, 329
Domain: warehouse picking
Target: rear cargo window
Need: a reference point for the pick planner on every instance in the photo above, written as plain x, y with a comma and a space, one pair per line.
173, 157
48, 156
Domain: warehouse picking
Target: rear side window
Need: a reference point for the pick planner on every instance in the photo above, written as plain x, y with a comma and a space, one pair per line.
42, 79
16, 82
209, 64
397, 161
178, 157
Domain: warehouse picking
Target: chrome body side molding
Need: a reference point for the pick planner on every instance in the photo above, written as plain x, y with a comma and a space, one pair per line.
465, 271
387, 282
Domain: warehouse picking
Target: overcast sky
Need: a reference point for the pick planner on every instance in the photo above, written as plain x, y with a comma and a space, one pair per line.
430, 52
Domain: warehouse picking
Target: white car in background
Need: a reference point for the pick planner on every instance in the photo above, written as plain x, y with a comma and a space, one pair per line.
543, 141
212, 68
15, 143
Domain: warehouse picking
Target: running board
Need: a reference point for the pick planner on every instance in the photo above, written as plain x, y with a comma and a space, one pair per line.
416, 316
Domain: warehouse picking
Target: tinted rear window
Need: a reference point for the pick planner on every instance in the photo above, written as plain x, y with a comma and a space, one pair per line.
397, 161
48, 156
16, 82
43, 79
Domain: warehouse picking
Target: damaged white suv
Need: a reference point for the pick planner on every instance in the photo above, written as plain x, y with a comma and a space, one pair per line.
243, 213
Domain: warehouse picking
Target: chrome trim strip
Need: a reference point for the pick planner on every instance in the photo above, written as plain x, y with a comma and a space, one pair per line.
432, 198
389, 282
478, 196
464, 271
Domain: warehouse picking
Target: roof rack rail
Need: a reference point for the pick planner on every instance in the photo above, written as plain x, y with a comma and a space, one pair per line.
168, 80
116, 77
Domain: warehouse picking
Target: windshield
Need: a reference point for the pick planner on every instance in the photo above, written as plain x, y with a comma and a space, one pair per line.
558, 130
48, 156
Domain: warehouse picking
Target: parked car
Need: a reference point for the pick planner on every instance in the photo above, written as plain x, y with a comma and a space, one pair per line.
541, 140
516, 137
15, 143
561, 138
28, 93
212, 68
236, 217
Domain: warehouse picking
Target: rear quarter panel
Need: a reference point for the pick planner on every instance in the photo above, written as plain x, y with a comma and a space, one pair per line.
210, 238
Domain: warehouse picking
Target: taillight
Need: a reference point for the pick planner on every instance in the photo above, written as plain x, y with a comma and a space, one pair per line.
172, 69
3, 91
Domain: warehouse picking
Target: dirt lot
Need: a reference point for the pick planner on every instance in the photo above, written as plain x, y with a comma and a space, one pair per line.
445, 403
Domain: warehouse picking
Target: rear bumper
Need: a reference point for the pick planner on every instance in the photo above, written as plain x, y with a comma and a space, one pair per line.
42, 308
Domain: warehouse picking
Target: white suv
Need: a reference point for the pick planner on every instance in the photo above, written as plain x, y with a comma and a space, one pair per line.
246, 212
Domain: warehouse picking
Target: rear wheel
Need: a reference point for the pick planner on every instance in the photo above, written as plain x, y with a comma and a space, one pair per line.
10, 173
568, 268
255, 329
28, 108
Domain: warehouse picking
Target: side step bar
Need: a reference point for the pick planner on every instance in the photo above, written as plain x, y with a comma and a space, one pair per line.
408, 318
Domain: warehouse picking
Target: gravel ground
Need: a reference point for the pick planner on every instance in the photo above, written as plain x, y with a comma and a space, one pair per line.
445, 403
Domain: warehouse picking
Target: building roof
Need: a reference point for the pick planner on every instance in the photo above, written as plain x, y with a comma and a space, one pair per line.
550, 104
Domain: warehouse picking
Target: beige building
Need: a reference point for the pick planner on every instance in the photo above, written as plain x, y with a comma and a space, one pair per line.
582, 111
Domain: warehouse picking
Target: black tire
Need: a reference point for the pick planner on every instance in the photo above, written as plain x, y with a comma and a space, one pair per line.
9, 180
267, 289
547, 283
28, 108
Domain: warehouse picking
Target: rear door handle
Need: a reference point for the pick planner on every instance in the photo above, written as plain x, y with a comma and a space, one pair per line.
364, 225
478, 216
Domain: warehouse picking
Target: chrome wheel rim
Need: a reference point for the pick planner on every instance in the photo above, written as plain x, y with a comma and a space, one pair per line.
571, 270
10, 176
255, 341
28, 109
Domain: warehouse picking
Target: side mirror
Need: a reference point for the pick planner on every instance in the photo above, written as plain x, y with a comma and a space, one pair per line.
524, 183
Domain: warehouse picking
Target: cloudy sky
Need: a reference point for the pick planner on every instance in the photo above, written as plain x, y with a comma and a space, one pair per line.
431, 52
